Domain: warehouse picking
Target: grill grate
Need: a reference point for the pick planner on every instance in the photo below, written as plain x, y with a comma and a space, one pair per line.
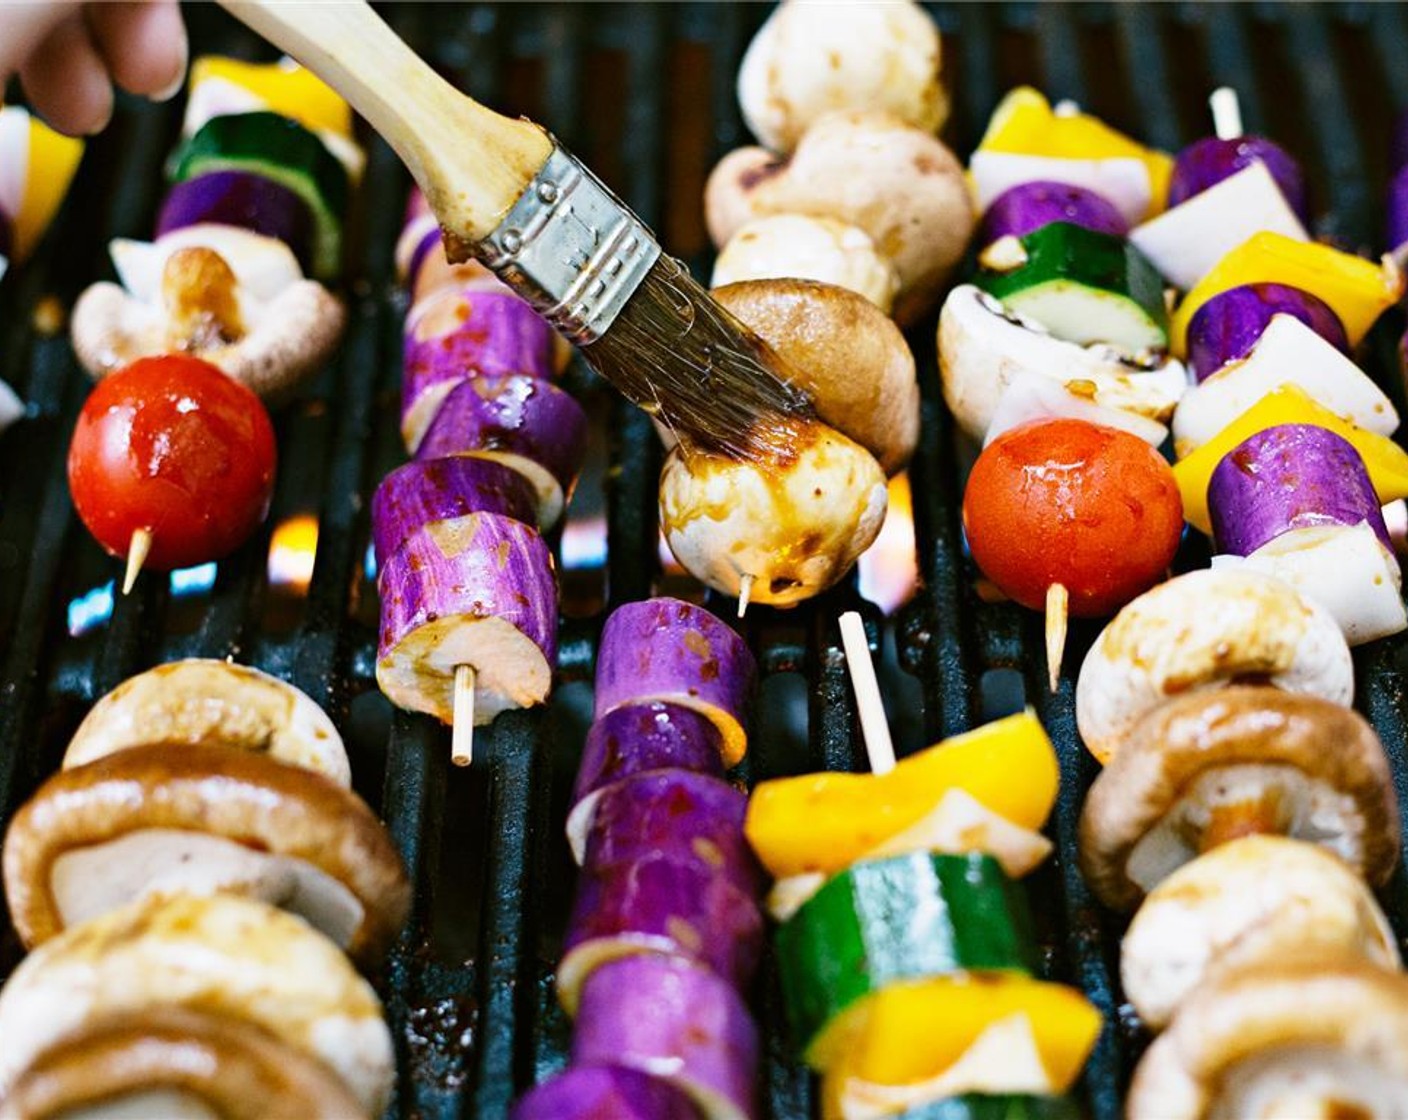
645, 95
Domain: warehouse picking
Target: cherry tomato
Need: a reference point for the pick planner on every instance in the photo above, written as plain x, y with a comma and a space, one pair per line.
1066, 501
173, 446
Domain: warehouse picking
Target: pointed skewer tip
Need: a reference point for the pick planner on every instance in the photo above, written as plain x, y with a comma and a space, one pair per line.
137, 550
462, 732
875, 728
1058, 602
1226, 113
745, 593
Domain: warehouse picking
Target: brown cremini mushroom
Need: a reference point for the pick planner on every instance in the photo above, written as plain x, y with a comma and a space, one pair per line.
1307, 1037
1249, 900
223, 956
1211, 766
845, 352
899, 184
196, 818
172, 1062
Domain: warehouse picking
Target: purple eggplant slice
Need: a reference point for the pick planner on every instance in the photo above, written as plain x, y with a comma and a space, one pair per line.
1208, 161
480, 591
604, 1093
669, 650
688, 817
1292, 476
244, 199
678, 1021
425, 491
525, 423
1027, 207
659, 905
1229, 325
637, 739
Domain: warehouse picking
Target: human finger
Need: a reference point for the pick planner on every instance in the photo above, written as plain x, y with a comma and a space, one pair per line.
67, 81
143, 44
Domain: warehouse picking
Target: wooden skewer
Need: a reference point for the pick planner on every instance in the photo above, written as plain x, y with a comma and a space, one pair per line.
462, 733
1066, 108
873, 725
745, 593
1226, 113
137, 550
1058, 601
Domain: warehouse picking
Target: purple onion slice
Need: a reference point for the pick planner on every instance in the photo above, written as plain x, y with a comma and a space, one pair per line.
1396, 217
1229, 325
1292, 476
1206, 162
636, 739
691, 818
241, 198
604, 1093
426, 491
477, 591
1028, 206
659, 904
669, 650
525, 423
676, 1020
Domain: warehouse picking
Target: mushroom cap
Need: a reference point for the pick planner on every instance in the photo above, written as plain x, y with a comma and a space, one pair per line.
1301, 1005
1249, 900
845, 352
1176, 750
200, 700
222, 955
1203, 630
803, 247
254, 801
806, 61
240, 1071
899, 184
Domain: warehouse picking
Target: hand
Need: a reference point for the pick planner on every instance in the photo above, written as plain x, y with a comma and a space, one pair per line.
69, 54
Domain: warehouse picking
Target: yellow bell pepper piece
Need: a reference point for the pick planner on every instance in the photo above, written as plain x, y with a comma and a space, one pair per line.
1023, 123
912, 1033
285, 88
1358, 291
827, 821
1290, 404
53, 159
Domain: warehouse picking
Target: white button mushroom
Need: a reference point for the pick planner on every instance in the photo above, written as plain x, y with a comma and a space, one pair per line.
793, 528
811, 58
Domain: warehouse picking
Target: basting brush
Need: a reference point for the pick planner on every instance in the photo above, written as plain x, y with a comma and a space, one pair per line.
505, 192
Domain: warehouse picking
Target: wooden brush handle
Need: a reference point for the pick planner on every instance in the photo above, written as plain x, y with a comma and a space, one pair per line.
471, 162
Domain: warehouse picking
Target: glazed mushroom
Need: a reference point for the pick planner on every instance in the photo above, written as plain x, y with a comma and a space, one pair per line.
199, 700
869, 169
1212, 766
196, 818
807, 248
1252, 899
243, 312
845, 353
1309, 1036
984, 351
1206, 629
790, 529
178, 1064
808, 60
224, 956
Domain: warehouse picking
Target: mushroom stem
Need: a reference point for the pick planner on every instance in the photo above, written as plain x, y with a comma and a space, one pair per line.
137, 550
1058, 602
1241, 818
462, 730
745, 593
1226, 113
874, 727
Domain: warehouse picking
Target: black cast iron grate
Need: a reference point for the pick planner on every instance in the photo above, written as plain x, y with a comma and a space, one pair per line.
645, 94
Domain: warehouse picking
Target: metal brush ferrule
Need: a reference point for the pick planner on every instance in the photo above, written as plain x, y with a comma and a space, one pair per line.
571, 248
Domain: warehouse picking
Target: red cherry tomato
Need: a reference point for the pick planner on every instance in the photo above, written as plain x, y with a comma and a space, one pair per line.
1065, 501
173, 446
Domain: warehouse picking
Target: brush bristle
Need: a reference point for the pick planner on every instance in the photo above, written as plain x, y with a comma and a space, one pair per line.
689, 363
